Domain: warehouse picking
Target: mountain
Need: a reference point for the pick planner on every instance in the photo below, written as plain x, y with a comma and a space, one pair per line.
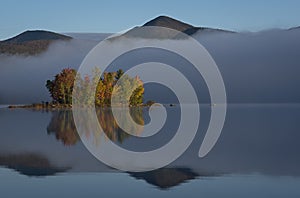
36, 35
294, 28
30, 42
168, 22
165, 21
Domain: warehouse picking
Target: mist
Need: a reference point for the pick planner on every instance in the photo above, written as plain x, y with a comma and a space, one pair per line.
261, 67
23, 78
258, 67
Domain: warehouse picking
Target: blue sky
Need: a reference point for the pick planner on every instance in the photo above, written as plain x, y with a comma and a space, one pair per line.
114, 16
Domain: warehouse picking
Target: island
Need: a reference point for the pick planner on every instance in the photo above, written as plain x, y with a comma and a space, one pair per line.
61, 90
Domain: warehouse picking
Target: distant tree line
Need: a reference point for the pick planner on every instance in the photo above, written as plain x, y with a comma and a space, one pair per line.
25, 48
61, 88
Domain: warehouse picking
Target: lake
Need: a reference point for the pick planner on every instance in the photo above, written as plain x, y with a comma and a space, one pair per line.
257, 155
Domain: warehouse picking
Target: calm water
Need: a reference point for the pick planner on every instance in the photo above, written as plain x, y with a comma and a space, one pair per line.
257, 155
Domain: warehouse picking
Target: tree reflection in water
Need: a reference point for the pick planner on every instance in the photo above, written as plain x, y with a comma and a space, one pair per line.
63, 126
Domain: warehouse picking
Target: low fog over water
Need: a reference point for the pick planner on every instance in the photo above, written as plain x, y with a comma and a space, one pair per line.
258, 67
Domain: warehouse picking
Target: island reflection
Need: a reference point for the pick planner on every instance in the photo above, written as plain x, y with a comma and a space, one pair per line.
62, 125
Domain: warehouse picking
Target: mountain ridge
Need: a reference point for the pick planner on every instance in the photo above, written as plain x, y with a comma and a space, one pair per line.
148, 30
33, 35
30, 42
33, 42
168, 22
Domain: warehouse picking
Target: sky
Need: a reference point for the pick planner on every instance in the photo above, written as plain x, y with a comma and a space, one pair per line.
111, 16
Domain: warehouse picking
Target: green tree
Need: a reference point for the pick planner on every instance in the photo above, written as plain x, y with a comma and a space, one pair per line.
129, 90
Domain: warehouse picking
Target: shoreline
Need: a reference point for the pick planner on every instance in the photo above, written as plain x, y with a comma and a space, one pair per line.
51, 106
39, 106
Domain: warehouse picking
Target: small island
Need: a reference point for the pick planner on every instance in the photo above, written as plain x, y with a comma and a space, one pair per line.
61, 90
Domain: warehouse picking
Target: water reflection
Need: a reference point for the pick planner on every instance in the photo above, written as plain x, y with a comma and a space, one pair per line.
30, 164
261, 139
63, 127
111, 128
166, 178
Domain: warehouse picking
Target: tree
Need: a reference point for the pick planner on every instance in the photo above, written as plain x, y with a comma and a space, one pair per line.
61, 87
127, 89
136, 97
120, 73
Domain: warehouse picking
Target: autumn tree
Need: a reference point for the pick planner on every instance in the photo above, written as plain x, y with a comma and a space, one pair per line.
62, 86
128, 90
